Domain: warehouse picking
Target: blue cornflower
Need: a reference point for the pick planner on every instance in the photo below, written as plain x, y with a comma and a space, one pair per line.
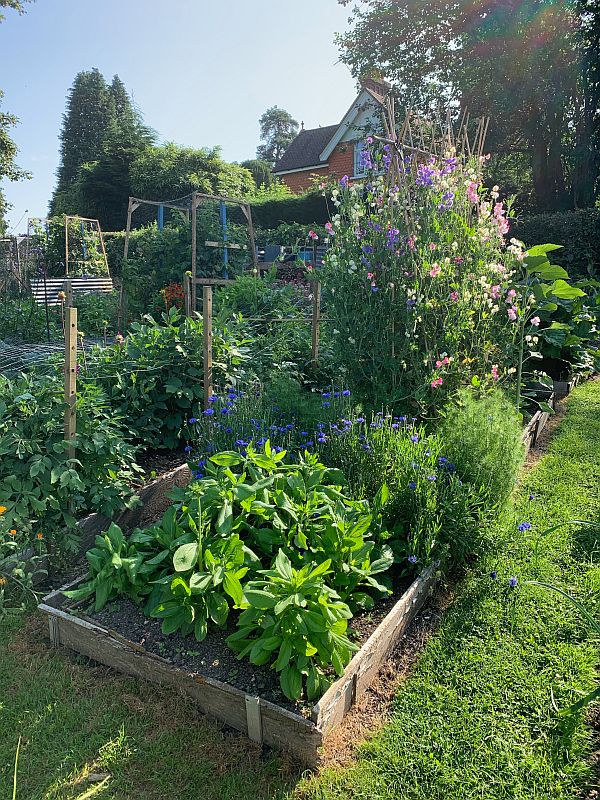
198, 474
325, 394
442, 460
226, 410
290, 426
241, 443
208, 412
310, 444
320, 425
532, 496
366, 446
278, 449
374, 289
513, 582
326, 404
427, 453
188, 448
336, 394
524, 526
192, 420
395, 426
412, 559
201, 464
322, 439
414, 438
346, 393
360, 419
213, 398
401, 419
228, 430
431, 478
493, 574
412, 485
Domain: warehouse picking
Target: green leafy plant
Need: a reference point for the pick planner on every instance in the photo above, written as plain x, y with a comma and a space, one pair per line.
298, 623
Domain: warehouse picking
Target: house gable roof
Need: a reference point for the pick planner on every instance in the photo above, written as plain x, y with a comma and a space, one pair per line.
305, 149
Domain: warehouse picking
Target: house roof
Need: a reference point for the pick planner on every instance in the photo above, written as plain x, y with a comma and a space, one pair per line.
305, 149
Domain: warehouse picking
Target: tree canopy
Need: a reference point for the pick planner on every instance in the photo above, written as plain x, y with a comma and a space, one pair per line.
522, 62
277, 129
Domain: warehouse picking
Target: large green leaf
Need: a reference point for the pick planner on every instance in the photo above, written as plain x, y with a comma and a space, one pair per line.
565, 291
185, 556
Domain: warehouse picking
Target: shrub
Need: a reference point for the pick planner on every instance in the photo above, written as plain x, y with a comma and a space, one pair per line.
97, 314
577, 231
42, 488
154, 378
483, 437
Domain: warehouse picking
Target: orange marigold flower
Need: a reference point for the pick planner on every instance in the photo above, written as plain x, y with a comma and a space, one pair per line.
3, 510
12, 532
3, 581
40, 536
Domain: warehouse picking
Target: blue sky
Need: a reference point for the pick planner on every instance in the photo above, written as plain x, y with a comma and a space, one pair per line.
201, 72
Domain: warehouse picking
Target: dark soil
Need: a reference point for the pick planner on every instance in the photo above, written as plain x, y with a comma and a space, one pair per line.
156, 462
212, 658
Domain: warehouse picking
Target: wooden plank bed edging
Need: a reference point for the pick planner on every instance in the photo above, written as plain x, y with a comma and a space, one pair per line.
261, 720
362, 669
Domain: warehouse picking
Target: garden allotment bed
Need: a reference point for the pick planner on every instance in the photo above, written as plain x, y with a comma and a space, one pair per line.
262, 720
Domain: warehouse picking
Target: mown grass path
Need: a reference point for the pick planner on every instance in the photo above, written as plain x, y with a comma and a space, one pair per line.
475, 720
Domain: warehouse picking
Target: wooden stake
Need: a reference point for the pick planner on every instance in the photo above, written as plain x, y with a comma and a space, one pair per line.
66, 245
194, 250
70, 423
207, 298
187, 295
316, 322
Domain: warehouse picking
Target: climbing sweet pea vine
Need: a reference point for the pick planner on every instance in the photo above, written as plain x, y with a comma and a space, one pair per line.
420, 279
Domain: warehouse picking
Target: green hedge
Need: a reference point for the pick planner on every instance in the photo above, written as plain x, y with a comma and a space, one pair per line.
577, 231
306, 209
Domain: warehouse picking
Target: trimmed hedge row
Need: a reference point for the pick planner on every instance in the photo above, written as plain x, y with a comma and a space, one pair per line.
577, 231
306, 209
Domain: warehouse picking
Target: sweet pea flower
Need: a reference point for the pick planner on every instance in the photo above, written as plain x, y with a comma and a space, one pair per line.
454, 296
329, 227
495, 375
472, 192
313, 235
512, 313
535, 321
510, 295
435, 270
495, 291
436, 383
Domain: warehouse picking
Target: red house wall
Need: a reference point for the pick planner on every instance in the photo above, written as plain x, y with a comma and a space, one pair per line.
341, 162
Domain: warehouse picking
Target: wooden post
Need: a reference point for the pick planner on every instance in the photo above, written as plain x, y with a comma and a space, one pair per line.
70, 423
66, 245
316, 321
248, 214
207, 299
194, 250
121, 315
187, 294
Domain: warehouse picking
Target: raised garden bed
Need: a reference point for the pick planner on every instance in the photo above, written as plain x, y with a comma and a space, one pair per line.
260, 719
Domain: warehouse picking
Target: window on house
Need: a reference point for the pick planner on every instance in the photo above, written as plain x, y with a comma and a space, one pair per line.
359, 167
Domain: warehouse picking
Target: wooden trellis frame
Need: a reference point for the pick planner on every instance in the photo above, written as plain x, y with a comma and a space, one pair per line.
188, 206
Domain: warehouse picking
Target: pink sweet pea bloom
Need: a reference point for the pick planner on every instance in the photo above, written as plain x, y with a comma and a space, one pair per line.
435, 270
535, 321
510, 295
454, 296
496, 292
436, 383
512, 313
472, 192
370, 275
329, 228
313, 235
495, 375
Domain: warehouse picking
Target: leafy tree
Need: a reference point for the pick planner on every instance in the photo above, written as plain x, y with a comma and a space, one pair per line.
170, 171
8, 149
261, 172
88, 117
277, 129
522, 62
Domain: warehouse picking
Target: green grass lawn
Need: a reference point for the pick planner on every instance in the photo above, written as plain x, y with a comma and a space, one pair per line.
475, 720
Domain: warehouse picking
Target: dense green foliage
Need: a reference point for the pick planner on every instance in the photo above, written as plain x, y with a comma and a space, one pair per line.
482, 436
43, 488
577, 231
153, 378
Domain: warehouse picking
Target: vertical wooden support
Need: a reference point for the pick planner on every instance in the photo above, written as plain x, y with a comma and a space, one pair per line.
187, 294
316, 321
207, 314
194, 248
254, 718
66, 245
70, 425
248, 214
223, 219
121, 315
68, 290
